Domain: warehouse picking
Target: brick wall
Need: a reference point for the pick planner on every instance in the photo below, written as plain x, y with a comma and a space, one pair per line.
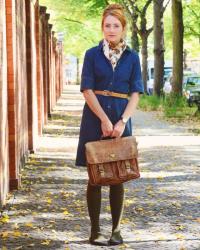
4, 169
30, 84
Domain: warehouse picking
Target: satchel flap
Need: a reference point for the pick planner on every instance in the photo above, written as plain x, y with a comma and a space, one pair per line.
111, 150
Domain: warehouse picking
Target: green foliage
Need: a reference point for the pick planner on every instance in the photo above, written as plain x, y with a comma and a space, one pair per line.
72, 17
191, 18
81, 23
175, 106
149, 103
171, 106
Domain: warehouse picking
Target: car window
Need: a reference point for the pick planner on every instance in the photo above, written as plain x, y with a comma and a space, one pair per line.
195, 80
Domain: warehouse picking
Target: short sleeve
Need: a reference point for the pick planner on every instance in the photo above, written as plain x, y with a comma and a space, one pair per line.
136, 83
87, 76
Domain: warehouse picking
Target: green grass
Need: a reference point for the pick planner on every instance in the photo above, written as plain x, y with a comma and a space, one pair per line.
150, 103
171, 106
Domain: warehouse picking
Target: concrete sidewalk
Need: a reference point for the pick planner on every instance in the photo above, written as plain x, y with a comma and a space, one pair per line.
161, 209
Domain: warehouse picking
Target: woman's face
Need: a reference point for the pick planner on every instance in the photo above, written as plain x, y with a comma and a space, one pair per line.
112, 29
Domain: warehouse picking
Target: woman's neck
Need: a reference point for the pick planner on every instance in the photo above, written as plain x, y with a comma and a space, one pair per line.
113, 44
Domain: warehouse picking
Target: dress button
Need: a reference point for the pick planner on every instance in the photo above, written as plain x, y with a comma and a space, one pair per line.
110, 83
108, 106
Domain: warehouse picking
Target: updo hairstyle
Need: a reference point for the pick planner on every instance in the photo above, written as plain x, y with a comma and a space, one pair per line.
117, 11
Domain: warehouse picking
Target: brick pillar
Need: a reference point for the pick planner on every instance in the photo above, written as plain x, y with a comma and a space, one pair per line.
57, 71
47, 16
17, 88
21, 78
44, 60
50, 68
31, 75
11, 56
53, 69
39, 73
4, 164
60, 45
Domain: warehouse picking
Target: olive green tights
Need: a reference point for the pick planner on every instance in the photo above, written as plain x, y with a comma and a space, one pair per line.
116, 205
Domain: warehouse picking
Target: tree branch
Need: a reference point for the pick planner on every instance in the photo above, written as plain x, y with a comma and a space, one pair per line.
75, 21
164, 8
106, 2
146, 7
150, 30
192, 10
138, 10
132, 3
127, 7
194, 31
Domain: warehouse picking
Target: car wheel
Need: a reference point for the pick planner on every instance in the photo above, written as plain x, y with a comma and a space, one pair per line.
190, 103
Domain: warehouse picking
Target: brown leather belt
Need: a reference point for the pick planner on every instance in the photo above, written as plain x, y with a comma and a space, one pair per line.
110, 93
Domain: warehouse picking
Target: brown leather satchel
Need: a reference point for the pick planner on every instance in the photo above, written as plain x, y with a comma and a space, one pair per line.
112, 161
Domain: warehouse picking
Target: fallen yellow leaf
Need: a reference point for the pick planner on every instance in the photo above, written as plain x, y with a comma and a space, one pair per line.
17, 234
46, 242
66, 212
49, 201
180, 236
180, 227
4, 235
5, 218
139, 209
29, 225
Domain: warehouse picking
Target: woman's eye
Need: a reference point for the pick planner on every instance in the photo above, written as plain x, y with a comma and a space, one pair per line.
107, 25
116, 26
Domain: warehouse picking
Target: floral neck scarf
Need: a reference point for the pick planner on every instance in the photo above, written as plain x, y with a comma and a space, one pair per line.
113, 53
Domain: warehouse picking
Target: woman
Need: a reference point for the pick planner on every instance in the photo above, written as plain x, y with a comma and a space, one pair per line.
114, 67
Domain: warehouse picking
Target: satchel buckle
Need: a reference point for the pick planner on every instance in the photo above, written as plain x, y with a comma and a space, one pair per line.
101, 170
112, 155
128, 166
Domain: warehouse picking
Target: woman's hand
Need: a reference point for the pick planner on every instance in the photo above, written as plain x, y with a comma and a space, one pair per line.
118, 129
106, 127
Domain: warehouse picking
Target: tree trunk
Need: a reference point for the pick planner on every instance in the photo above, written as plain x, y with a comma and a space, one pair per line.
144, 60
158, 47
177, 34
134, 37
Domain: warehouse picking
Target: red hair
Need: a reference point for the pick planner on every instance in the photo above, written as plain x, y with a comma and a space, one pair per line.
115, 10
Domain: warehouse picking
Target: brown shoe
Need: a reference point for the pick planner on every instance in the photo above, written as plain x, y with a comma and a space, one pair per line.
115, 239
98, 239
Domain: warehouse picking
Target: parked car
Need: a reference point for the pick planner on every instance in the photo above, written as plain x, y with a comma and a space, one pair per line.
191, 90
168, 83
150, 71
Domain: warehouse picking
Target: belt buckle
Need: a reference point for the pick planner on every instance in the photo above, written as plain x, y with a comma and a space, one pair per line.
106, 92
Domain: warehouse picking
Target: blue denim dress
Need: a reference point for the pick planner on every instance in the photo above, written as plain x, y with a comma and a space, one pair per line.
98, 74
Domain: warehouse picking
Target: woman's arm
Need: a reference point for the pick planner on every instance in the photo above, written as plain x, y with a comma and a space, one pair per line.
131, 106
128, 112
93, 103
